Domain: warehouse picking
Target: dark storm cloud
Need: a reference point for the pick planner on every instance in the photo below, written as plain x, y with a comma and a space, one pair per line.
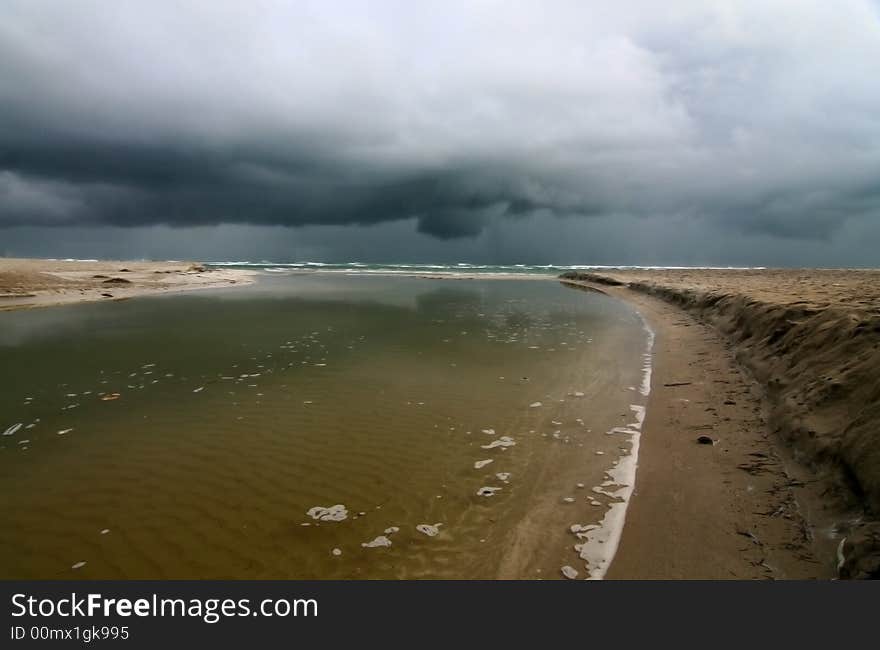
752, 116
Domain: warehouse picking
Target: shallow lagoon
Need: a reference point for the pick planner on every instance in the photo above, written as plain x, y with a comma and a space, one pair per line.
240, 410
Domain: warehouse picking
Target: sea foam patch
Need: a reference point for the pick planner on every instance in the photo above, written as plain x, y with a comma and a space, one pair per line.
379, 542
569, 572
601, 542
11, 430
428, 529
503, 441
332, 513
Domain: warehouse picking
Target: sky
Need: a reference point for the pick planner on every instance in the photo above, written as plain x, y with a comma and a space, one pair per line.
487, 131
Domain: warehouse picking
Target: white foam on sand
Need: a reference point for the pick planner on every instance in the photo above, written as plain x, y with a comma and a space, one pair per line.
647, 357
333, 513
487, 491
601, 543
380, 542
480, 464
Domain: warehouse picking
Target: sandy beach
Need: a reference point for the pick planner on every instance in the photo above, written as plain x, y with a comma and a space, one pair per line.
781, 368
760, 451
29, 283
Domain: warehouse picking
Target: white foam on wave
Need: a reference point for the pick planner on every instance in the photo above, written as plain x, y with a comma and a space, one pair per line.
360, 268
480, 464
601, 543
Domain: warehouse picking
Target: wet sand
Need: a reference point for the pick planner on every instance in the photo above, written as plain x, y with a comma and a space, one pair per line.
30, 283
785, 365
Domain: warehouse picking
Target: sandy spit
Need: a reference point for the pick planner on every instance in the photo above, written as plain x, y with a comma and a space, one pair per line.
810, 340
30, 283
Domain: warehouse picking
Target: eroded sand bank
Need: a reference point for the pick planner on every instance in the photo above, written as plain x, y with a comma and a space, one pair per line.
811, 341
29, 283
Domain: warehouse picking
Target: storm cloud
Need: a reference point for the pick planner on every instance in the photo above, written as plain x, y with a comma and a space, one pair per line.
753, 117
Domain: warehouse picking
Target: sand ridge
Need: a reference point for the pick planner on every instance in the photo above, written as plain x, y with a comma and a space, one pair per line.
29, 283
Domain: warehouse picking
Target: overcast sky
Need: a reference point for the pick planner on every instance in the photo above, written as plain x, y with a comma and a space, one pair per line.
583, 132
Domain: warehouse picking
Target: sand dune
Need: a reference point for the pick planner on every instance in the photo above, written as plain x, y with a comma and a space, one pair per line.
28, 283
812, 339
